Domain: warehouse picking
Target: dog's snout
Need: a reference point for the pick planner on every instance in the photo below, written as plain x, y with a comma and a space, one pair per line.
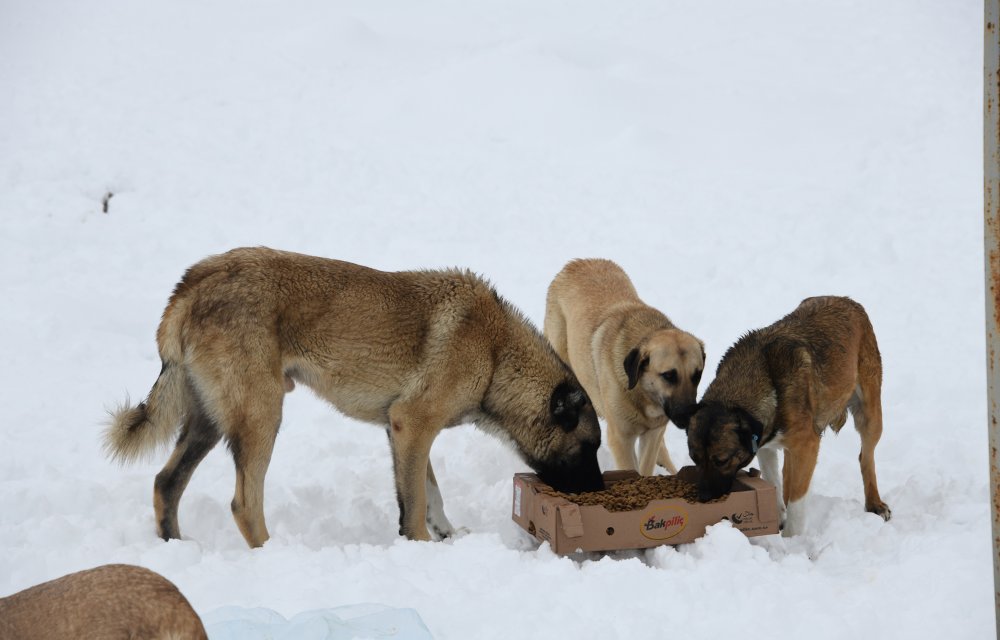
681, 416
712, 486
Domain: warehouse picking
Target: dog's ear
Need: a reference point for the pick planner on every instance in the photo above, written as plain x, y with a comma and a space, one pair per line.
751, 431
634, 366
704, 362
565, 405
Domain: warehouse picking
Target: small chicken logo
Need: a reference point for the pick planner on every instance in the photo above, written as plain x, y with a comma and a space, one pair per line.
740, 518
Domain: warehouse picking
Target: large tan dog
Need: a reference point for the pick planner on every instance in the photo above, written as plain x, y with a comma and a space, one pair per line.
414, 351
638, 368
779, 388
112, 602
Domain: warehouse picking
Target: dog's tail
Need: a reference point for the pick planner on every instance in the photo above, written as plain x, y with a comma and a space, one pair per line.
135, 431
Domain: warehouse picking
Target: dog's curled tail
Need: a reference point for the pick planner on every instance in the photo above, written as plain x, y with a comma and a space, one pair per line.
136, 431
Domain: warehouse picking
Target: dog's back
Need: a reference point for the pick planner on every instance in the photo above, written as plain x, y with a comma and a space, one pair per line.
827, 327
109, 602
586, 290
582, 296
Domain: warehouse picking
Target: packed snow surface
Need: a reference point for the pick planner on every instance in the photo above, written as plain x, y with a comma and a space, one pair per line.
734, 157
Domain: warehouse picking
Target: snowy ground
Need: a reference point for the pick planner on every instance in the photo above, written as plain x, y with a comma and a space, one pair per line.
733, 156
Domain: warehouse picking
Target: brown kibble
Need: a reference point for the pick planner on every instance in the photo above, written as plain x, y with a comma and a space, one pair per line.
636, 493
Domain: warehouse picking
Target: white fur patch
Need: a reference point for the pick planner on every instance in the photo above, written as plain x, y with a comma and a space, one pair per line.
770, 470
795, 519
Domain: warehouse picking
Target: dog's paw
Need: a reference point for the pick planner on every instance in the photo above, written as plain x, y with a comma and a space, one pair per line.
449, 533
880, 509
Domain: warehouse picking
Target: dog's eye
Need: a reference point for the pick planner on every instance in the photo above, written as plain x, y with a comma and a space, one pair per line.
670, 376
696, 376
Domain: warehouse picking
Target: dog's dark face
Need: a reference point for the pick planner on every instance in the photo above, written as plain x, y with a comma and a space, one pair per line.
721, 441
569, 461
667, 366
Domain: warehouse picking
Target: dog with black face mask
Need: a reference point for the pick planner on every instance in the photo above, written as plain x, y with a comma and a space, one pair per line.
639, 370
780, 387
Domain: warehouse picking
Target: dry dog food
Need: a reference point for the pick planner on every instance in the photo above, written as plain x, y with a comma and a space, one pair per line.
636, 493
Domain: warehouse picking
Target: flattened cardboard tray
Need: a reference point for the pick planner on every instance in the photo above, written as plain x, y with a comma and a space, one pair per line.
568, 527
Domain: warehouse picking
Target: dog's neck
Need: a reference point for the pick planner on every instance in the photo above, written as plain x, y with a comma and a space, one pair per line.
765, 412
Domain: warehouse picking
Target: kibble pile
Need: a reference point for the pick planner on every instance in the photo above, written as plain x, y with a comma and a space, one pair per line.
636, 493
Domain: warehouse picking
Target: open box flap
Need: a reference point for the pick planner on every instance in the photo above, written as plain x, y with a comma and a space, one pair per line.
572, 520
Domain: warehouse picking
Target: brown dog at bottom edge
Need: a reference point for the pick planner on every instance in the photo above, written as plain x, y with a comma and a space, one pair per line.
781, 387
111, 601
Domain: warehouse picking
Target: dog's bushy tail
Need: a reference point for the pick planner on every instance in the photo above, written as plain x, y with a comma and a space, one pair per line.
136, 431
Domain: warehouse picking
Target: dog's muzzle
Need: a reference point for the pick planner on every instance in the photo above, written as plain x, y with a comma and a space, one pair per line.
681, 416
712, 487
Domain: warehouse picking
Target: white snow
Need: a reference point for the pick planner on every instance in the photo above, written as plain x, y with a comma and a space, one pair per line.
734, 157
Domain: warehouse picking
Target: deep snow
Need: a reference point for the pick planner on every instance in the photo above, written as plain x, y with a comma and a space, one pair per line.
733, 157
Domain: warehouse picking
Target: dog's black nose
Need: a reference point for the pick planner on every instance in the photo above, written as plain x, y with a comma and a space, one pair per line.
681, 415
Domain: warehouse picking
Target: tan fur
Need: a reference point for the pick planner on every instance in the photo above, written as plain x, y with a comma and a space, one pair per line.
595, 319
110, 602
790, 381
416, 352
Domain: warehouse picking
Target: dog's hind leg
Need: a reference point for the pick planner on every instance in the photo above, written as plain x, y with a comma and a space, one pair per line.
252, 454
622, 447
866, 406
251, 415
650, 442
198, 435
554, 328
663, 458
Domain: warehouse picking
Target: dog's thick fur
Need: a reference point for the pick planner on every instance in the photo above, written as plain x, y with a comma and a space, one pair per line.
113, 602
414, 351
639, 370
780, 388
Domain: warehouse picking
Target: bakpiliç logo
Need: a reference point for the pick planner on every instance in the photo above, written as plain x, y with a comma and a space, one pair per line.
661, 524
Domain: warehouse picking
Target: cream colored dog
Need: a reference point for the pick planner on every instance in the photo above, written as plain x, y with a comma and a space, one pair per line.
639, 370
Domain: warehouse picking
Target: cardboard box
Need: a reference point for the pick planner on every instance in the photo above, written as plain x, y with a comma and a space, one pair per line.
568, 527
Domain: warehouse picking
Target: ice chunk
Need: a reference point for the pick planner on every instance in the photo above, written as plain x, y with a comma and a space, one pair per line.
339, 623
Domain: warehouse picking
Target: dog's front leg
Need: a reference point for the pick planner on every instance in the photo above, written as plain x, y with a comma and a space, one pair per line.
437, 521
800, 463
411, 436
771, 472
